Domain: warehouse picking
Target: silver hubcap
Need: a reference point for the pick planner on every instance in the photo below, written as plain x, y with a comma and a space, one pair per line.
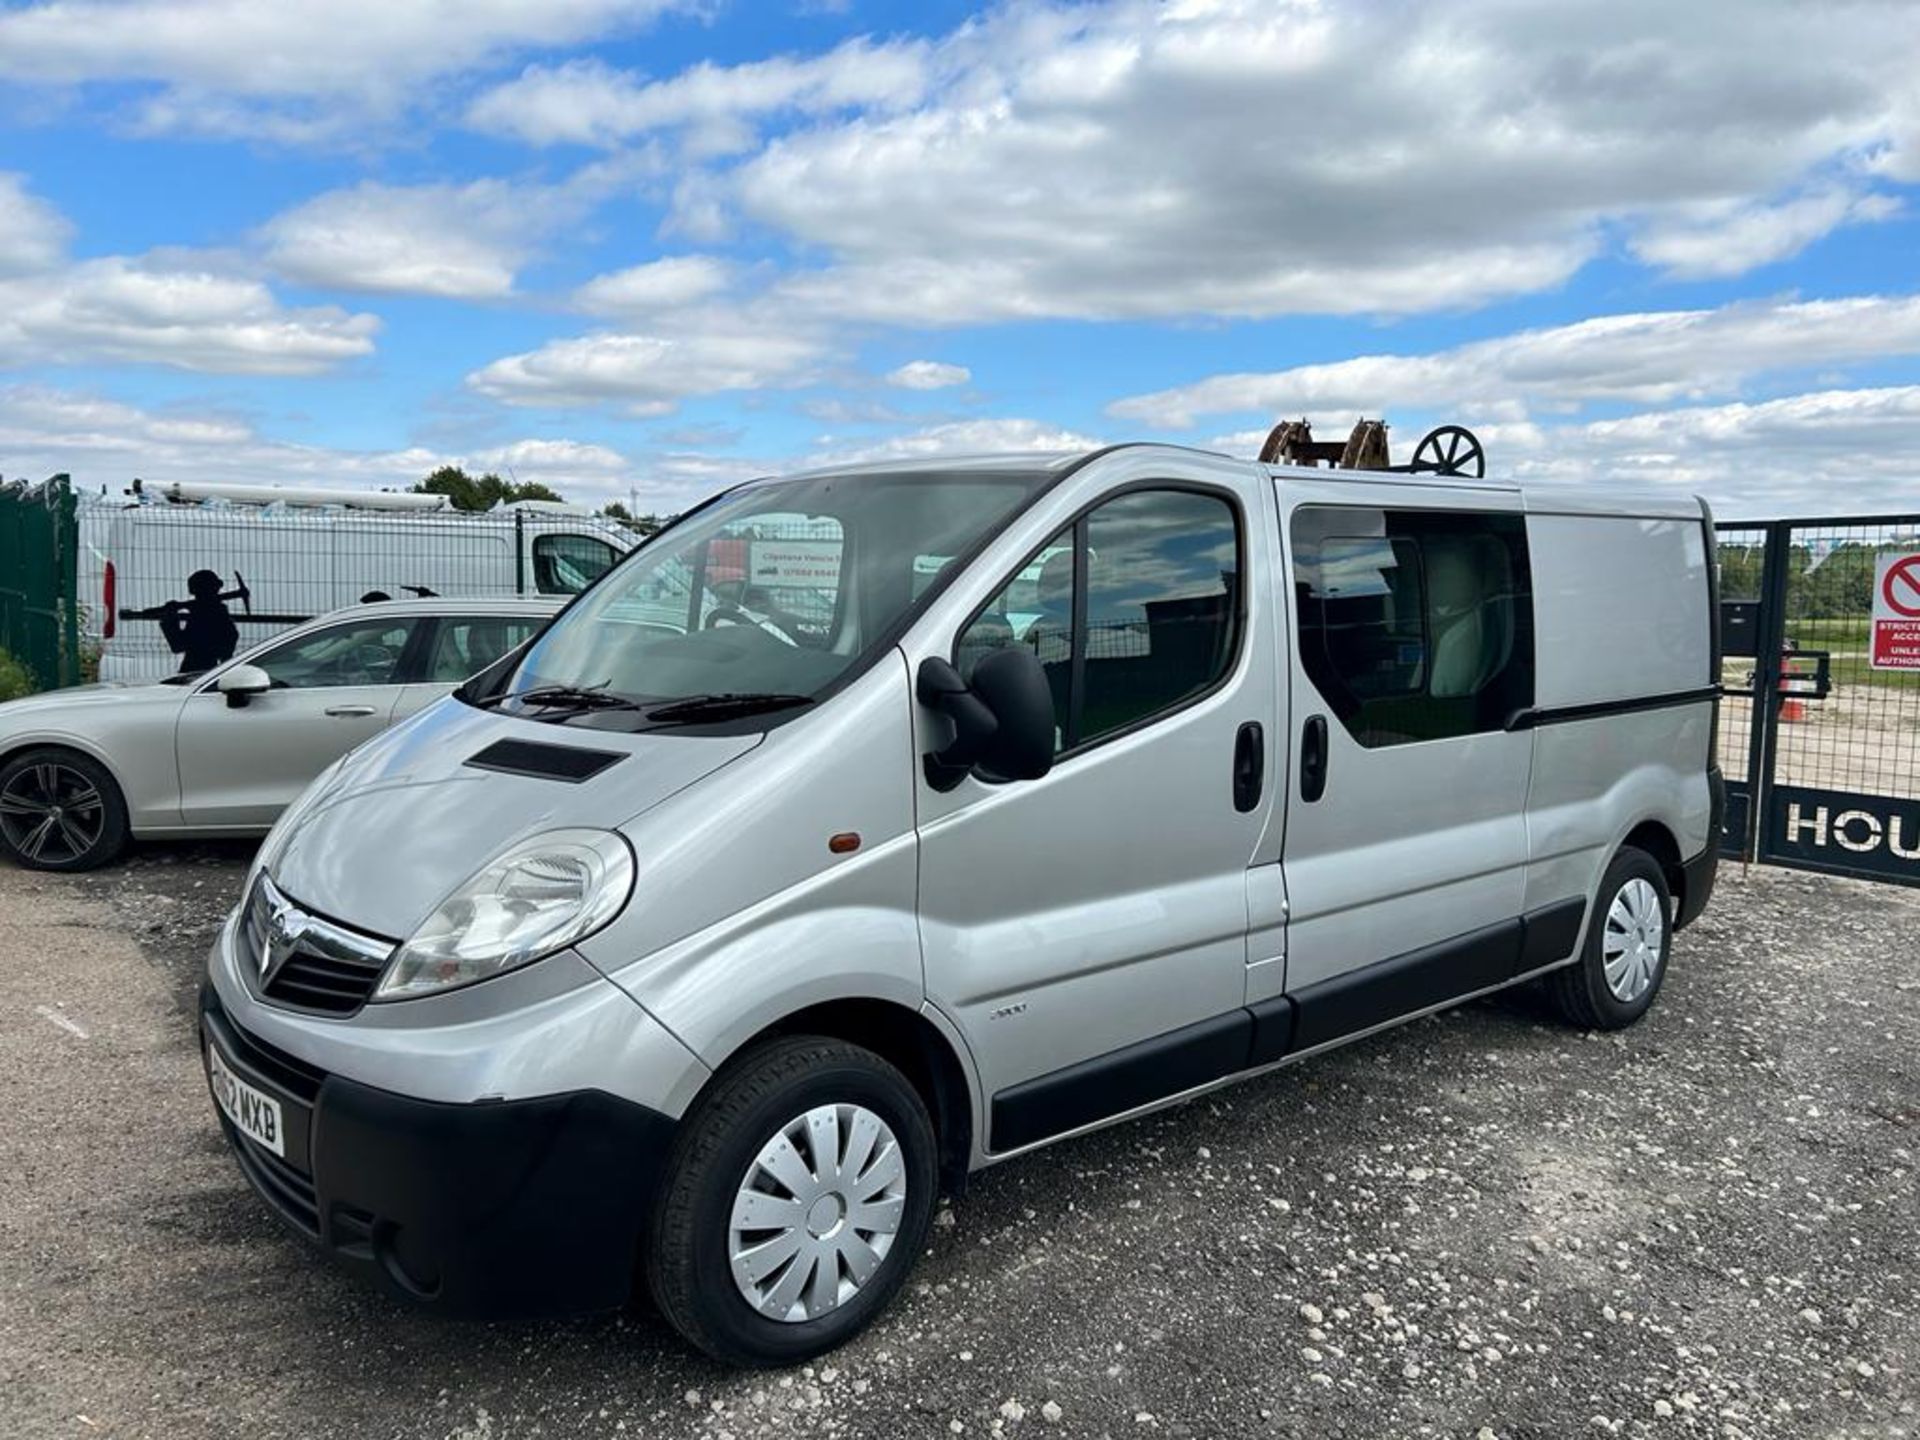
1636, 931
817, 1212
51, 813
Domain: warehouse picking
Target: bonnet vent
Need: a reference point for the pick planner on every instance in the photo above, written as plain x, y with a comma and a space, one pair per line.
545, 762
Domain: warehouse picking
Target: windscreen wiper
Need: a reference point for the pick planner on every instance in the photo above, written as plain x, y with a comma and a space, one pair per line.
563, 697
696, 708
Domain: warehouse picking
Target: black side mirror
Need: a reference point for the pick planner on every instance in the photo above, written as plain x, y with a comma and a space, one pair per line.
1002, 722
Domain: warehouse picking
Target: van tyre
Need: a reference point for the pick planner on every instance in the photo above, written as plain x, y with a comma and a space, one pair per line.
795, 1200
60, 810
1624, 957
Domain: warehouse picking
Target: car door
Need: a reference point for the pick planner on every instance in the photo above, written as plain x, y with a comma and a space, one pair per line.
459, 647
1405, 840
1087, 931
333, 687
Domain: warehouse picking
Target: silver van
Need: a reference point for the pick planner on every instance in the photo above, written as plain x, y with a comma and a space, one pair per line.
956, 809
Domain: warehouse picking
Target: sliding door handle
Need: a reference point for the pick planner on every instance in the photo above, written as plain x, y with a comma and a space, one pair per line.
1249, 765
1313, 759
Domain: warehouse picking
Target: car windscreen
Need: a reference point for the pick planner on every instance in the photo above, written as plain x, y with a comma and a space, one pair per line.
780, 589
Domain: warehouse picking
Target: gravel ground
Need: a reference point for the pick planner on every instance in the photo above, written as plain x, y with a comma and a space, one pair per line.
1481, 1224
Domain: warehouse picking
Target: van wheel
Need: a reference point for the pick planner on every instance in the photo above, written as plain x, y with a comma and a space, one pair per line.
60, 810
796, 1198
1624, 959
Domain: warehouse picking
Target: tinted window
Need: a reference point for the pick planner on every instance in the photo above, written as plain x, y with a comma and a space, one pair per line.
567, 564
463, 647
1414, 624
1158, 571
365, 653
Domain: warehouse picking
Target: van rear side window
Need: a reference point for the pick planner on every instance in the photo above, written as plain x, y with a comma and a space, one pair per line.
1414, 624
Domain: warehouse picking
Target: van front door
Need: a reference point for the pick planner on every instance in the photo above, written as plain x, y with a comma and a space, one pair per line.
1087, 930
1405, 845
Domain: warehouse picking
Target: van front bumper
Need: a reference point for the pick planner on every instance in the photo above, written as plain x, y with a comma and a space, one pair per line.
511, 1207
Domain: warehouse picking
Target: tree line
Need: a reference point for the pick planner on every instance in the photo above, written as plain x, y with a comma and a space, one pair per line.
483, 492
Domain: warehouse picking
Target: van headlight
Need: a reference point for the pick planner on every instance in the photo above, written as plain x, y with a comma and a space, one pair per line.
539, 896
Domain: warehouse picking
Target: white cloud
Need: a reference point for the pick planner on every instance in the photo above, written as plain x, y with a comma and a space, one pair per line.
667, 284
180, 308
1652, 357
33, 235
105, 442
1722, 240
305, 70
171, 310
1829, 452
646, 374
586, 102
457, 241
928, 375
958, 437
1501, 149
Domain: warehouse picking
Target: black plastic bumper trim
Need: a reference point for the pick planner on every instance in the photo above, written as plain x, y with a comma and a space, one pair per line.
519, 1207
1550, 933
1418, 980
1121, 1080
1698, 874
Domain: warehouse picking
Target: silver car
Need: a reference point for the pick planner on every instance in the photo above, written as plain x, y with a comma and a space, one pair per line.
224, 752
932, 814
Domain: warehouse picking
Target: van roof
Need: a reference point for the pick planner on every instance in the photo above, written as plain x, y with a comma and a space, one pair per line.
1546, 497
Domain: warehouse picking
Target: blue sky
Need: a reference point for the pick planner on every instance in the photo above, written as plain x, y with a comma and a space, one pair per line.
644, 247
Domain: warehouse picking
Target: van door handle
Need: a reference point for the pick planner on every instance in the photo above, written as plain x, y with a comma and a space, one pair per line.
1313, 759
350, 712
1249, 765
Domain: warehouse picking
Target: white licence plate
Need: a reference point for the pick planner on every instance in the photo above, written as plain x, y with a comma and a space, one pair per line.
255, 1114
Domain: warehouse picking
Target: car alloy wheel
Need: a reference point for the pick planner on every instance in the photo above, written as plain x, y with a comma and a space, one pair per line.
51, 814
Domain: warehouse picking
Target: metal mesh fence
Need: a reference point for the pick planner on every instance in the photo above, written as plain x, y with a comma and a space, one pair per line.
183, 587
1863, 733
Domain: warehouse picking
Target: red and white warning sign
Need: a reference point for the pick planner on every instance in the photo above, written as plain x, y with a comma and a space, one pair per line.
1896, 610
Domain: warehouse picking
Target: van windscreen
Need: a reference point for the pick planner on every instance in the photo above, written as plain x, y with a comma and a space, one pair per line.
767, 598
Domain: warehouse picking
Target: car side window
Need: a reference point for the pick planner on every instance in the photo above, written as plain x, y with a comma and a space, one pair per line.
567, 564
1132, 611
1414, 624
465, 645
365, 652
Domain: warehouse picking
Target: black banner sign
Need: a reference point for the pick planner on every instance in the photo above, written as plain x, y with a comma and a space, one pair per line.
1872, 836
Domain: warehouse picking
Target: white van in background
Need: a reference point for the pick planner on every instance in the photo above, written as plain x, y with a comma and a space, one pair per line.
189, 574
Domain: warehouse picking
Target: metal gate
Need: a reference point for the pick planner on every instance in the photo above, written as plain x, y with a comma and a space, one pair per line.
39, 545
1820, 724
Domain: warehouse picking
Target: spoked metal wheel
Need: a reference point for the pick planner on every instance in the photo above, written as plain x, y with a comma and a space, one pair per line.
816, 1212
1450, 450
51, 814
1635, 935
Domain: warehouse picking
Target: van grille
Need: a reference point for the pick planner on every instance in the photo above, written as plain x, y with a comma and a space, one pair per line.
328, 969
323, 983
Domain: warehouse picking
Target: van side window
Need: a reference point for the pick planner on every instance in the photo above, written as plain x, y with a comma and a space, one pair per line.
567, 564
1414, 624
1159, 625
